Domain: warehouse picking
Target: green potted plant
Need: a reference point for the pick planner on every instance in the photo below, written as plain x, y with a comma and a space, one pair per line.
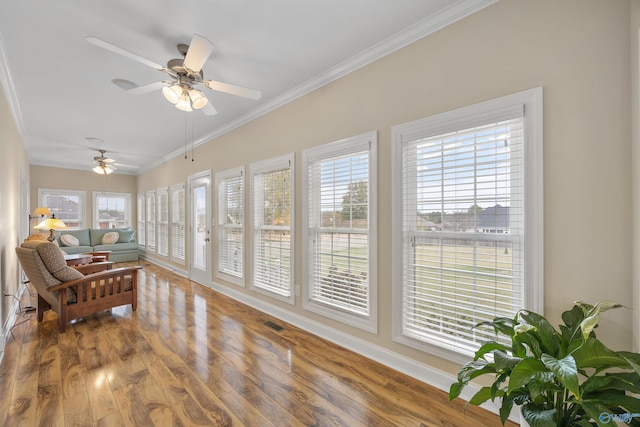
558, 378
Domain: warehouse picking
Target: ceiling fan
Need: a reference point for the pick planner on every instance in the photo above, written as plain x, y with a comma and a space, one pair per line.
104, 165
186, 74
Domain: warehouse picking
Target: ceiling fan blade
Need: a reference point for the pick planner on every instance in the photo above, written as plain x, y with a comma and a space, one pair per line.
122, 165
233, 89
198, 53
120, 51
208, 110
139, 90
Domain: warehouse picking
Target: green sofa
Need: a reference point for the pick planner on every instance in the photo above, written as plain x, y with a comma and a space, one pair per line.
90, 240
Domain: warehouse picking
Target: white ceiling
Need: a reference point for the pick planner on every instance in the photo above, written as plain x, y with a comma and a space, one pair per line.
59, 85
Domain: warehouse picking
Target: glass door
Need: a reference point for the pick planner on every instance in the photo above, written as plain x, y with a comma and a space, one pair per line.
200, 228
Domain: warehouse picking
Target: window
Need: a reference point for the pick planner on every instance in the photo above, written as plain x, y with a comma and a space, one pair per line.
339, 223
66, 205
111, 210
467, 222
142, 220
272, 187
230, 227
162, 204
151, 220
177, 223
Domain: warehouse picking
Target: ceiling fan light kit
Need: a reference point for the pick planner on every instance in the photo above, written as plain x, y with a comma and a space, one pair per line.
186, 73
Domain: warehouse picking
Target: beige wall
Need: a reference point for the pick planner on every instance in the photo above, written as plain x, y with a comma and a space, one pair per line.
14, 168
88, 181
635, 155
578, 51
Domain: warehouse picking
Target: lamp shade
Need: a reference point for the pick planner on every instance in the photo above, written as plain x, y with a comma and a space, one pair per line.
198, 100
41, 211
172, 93
103, 169
184, 103
51, 224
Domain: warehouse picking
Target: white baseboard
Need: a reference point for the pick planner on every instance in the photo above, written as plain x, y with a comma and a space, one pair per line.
427, 374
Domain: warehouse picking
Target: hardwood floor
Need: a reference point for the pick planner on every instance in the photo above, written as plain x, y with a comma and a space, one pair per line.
190, 356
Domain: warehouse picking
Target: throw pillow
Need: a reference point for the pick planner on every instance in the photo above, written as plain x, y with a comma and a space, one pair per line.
110, 238
69, 240
127, 236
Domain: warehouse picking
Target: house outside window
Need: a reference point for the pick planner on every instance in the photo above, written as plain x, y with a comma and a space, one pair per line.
339, 225
111, 210
66, 205
230, 225
272, 212
467, 197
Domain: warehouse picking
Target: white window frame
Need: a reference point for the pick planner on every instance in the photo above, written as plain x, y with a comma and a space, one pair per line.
127, 207
162, 222
178, 223
142, 220
531, 103
150, 226
222, 227
311, 228
257, 214
82, 203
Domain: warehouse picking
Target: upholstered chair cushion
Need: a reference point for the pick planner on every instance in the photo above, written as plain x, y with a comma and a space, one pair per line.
53, 260
51, 257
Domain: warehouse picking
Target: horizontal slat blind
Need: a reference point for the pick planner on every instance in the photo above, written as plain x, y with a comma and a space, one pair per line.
178, 215
230, 225
151, 221
463, 232
272, 222
163, 221
339, 231
142, 220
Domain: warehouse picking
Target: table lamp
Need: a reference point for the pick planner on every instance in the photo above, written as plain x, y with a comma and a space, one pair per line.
51, 224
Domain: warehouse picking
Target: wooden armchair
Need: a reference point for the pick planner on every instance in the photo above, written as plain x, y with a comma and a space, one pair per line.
69, 292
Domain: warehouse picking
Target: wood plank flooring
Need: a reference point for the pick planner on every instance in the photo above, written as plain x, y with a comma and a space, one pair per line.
192, 357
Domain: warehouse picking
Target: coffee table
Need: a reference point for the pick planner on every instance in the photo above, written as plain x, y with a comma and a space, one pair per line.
78, 259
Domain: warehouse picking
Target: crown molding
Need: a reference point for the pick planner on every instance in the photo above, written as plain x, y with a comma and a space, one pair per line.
456, 11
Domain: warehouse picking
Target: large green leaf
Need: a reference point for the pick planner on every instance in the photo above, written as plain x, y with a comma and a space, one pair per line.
549, 337
626, 381
594, 354
524, 372
573, 317
489, 347
504, 361
633, 359
539, 417
614, 399
565, 370
594, 410
484, 394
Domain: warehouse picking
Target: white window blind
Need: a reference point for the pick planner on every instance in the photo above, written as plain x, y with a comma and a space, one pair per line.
461, 229
178, 215
142, 219
66, 205
111, 210
151, 221
272, 220
162, 195
230, 229
338, 230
